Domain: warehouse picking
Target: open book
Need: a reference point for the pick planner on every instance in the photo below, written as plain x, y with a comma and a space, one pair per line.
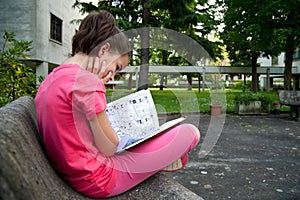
134, 118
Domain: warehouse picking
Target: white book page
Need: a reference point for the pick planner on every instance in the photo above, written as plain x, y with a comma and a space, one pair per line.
133, 116
131, 143
127, 144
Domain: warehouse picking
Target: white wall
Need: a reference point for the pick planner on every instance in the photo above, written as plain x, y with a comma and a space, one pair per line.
30, 20
54, 52
18, 17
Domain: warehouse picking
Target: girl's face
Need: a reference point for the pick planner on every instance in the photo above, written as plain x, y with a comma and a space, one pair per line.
112, 64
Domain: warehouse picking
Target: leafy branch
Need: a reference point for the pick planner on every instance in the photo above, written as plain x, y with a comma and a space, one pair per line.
16, 78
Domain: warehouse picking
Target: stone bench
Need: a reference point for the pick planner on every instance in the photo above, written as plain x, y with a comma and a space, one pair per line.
25, 172
291, 98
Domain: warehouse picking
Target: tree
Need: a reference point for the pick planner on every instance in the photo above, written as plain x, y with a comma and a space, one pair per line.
248, 33
254, 28
286, 17
193, 18
183, 16
145, 46
16, 78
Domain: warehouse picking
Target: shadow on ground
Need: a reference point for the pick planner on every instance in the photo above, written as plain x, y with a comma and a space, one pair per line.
256, 157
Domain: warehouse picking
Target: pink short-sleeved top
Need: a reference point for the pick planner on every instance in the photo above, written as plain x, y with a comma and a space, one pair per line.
66, 100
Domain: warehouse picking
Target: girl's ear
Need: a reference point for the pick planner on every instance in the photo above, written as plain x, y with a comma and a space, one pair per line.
104, 48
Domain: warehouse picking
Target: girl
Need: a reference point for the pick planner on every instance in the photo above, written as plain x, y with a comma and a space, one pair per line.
76, 132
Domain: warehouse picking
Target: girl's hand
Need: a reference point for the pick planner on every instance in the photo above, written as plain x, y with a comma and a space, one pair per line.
107, 78
94, 67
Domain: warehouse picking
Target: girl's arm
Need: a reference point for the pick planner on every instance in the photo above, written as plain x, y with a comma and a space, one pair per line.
106, 139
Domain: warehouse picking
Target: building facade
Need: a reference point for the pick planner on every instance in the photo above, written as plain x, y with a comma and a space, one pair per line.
279, 60
47, 23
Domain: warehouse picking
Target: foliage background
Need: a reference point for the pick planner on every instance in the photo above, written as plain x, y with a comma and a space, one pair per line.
16, 78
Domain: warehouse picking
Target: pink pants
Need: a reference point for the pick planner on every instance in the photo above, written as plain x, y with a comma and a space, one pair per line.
150, 157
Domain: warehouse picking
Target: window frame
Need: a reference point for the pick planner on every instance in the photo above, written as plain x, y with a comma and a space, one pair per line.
56, 26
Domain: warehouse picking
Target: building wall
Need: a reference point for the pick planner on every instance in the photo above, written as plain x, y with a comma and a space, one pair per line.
31, 19
297, 58
63, 10
263, 61
267, 62
18, 17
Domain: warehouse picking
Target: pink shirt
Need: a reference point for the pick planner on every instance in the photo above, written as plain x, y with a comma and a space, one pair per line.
66, 100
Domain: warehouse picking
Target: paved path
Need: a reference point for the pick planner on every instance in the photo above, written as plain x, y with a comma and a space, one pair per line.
256, 157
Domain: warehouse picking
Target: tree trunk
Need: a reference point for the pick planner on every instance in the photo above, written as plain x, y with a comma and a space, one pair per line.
290, 44
161, 83
297, 82
145, 53
129, 87
245, 82
288, 62
166, 80
254, 84
190, 80
163, 76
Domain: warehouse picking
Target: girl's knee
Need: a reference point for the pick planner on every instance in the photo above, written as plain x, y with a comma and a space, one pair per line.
193, 131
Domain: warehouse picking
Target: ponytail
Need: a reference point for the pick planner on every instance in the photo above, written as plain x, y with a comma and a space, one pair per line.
97, 29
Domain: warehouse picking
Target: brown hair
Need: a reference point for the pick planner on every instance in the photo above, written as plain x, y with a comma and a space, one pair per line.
97, 29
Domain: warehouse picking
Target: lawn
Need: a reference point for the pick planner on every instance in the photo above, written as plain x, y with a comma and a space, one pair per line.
182, 100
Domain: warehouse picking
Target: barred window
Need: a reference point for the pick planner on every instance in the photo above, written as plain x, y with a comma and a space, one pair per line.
56, 28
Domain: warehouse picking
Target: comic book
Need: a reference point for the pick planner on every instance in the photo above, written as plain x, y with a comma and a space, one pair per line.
134, 118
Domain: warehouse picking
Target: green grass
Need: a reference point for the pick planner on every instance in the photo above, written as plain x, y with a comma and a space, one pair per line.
182, 100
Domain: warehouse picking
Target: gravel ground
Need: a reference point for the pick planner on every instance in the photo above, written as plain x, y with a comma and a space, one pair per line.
255, 157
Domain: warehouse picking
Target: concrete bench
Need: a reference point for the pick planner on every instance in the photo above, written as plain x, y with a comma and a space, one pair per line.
25, 172
291, 98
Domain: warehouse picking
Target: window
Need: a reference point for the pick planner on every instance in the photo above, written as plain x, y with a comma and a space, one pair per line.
56, 28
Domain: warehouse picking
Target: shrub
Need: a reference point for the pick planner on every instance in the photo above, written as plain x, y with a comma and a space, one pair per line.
247, 97
16, 78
